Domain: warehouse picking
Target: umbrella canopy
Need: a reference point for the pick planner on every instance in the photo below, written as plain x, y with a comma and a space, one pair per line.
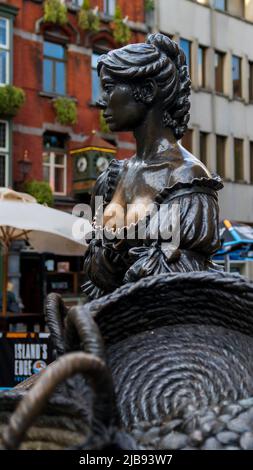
44, 228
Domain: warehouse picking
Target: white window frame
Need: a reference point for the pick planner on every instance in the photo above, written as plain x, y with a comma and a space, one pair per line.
5, 151
51, 165
108, 6
6, 48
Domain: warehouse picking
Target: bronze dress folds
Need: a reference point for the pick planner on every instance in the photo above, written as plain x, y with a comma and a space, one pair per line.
108, 268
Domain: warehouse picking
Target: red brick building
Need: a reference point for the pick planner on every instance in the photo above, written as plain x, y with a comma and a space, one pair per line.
48, 60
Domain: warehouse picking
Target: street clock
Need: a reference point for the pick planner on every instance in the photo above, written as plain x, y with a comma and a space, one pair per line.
90, 161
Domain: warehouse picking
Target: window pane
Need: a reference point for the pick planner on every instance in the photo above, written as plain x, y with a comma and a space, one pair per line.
55, 175
3, 32
201, 66
59, 180
220, 155
251, 162
59, 159
51, 140
237, 7
220, 4
186, 141
95, 86
109, 7
238, 159
48, 75
2, 170
236, 74
54, 50
3, 66
251, 81
3, 135
94, 60
60, 78
203, 147
219, 67
46, 157
186, 46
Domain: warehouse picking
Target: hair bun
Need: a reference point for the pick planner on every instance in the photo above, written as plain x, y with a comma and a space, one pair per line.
165, 44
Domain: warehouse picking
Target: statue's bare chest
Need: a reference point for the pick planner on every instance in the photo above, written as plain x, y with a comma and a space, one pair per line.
136, 190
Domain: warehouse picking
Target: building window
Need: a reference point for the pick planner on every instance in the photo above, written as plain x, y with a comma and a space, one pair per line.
109, 7
251, 81
237, 7
238, 160
220, 5
77, 3
186, 46
4, 152
203, 136
219, 71
96, 87
4, 51
55, 163
237, 76
251, 162
202, 67
186, 140
54, 68
221, 155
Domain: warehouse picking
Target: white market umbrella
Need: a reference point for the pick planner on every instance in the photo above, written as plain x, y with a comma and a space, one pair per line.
44, 228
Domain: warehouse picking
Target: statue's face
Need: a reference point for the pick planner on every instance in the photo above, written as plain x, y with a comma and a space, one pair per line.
121, 111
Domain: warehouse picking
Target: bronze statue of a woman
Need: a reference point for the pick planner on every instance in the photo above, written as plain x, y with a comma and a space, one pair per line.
146, 90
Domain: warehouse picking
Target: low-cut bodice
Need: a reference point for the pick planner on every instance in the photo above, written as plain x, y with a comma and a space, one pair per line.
112, 258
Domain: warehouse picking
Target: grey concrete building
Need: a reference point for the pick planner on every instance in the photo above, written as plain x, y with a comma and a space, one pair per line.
217, 37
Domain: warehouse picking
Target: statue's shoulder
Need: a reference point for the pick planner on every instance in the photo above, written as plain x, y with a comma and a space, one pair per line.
191, 171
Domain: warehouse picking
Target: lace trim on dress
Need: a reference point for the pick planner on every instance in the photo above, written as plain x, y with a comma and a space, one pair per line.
113, 171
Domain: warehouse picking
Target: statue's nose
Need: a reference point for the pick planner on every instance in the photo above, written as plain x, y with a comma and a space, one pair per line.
101, 103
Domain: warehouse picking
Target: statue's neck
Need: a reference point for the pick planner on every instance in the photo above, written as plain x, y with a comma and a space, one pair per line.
152, 138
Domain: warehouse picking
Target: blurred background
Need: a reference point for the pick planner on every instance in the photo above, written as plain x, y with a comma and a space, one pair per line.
54, 142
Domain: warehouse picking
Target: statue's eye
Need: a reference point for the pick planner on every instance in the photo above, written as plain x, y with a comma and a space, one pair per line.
108, 88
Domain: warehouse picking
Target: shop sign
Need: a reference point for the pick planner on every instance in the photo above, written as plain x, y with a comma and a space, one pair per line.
22, 355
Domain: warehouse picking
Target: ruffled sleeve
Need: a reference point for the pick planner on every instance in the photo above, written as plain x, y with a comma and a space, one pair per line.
197, 238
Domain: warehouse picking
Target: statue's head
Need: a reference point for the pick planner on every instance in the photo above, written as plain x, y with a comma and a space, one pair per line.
140, 76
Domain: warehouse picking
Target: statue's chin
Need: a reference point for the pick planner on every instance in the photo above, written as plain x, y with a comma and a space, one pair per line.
117, 128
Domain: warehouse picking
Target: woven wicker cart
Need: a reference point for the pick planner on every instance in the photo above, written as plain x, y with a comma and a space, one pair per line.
165, 363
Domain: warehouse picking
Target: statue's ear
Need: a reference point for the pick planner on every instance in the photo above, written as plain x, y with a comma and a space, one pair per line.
147, 91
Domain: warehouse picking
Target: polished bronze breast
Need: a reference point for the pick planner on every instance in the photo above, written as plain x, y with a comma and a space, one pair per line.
140, 182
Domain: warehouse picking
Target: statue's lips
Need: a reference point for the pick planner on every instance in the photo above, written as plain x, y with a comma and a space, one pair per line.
108, 117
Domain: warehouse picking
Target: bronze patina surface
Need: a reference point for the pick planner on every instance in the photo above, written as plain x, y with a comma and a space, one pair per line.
145, 90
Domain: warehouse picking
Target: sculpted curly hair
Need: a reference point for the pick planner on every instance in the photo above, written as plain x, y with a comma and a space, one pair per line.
164, 61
